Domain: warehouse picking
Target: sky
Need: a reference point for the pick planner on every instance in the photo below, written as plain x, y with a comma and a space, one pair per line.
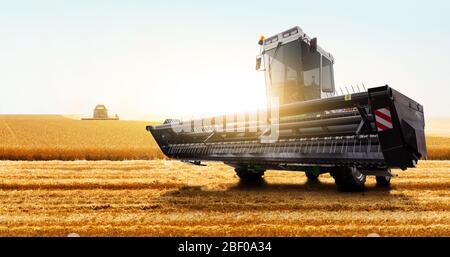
176, 58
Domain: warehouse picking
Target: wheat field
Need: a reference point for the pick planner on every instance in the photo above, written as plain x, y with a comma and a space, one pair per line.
54, 137
169, 198
80, 190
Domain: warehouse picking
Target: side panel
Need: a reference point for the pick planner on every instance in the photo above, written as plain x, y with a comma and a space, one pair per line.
400, 126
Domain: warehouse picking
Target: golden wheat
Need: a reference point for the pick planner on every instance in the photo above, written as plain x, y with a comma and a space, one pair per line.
438, 148
169, 198
53, 137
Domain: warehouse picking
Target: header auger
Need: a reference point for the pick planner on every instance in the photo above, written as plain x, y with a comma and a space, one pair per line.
309, 128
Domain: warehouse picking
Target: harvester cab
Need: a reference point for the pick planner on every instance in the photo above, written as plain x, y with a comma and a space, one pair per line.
296, 68
312, 129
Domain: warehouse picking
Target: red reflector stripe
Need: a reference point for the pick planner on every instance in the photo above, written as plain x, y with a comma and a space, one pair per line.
383, 119
381, 127
383, 116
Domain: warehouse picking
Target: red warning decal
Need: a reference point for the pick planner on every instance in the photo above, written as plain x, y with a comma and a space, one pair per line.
383, 119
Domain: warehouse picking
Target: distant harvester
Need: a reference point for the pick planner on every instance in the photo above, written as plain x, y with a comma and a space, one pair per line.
101, 113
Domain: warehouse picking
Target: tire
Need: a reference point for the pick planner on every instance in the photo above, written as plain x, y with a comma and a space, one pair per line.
349, 179
383, 181
249, 175
312, 176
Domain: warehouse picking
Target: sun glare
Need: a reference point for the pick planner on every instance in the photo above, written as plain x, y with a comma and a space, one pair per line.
207, 96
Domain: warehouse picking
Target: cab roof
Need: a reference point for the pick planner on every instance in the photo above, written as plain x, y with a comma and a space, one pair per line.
290, 35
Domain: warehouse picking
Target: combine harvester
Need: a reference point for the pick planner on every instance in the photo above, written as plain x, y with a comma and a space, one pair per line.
312, 129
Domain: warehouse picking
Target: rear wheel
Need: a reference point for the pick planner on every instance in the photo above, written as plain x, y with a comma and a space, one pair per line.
349, 179
383, 181
312, 176
249, 175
